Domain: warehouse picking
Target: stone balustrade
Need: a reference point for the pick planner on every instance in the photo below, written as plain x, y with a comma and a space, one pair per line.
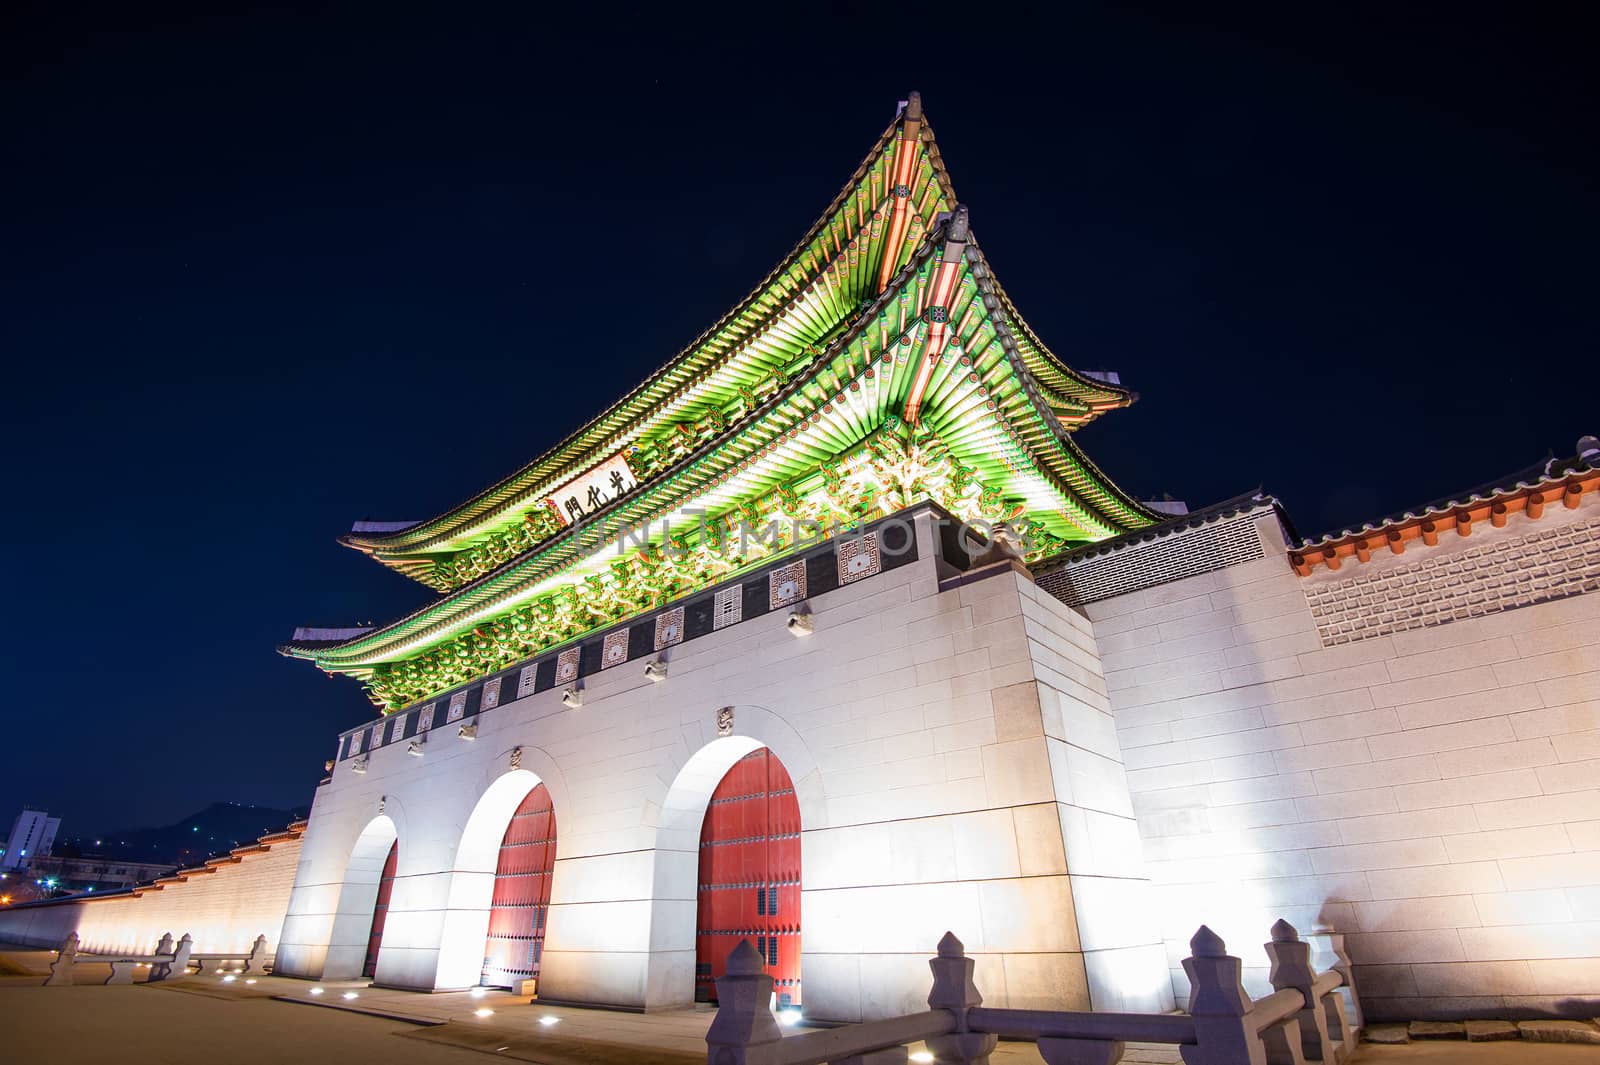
169, 961
255, 960
1305, 1019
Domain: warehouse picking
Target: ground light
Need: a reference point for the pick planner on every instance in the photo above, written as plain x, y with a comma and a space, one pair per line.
921, 1057
548, 1020
483, 1011
315, 991
349, 995
229, 979
249, 981
789, 1018
479, 992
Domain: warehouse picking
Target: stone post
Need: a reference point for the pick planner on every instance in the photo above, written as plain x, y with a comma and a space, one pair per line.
1219, 1005
257, 960
954, 990
1292, 971
744, 1031
160, 968
61, 968
1341, 964
180, 957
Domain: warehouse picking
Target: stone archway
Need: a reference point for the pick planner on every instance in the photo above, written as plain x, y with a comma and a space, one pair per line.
352, 921
466, 921
749, 880
704, 761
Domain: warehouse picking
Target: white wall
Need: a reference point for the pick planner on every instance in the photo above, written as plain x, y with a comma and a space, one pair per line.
914, 725
1434, 792
224, 910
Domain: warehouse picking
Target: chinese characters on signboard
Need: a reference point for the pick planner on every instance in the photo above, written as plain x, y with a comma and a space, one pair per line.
583, 496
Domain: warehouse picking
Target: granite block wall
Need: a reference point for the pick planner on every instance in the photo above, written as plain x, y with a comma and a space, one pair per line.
1432, 790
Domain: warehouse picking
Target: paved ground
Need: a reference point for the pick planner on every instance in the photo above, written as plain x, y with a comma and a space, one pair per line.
1450, 1051
274, 1020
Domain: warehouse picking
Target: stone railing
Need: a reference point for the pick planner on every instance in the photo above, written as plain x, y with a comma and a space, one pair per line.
170, 961
1304, 1019
254, 960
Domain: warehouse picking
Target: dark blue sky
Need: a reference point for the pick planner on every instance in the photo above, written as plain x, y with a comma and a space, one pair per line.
268, 273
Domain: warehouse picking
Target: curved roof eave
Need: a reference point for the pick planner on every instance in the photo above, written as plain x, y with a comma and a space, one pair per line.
426, 535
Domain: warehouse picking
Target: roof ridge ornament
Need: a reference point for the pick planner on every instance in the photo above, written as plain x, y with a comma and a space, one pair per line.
951, 258
905, 154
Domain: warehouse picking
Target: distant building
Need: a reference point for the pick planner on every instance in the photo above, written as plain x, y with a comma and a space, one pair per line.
94, 872
32, 835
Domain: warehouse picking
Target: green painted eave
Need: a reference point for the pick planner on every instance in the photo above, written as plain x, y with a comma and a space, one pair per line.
984, 402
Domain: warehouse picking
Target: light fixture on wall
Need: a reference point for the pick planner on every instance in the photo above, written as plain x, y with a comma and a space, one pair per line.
656, 670
799, 624
572, 698
414, 748
360, 764
468, 732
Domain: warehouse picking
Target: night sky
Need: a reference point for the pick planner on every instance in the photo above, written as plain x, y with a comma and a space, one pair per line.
267, 274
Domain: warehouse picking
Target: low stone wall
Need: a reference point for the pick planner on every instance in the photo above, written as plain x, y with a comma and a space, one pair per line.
43, 925
224, 908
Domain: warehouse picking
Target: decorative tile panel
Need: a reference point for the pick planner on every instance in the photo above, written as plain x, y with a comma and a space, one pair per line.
727, 608
669, 628
1184, 553
858, 558
791, 582
1445, 586
567, 665
614, 651
786, 585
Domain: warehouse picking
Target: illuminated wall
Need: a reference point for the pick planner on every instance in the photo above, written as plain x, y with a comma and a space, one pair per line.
224, 910
1430, 787
942, 737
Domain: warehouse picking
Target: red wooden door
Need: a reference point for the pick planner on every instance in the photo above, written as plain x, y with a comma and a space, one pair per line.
521, 905
380, 910
750, 876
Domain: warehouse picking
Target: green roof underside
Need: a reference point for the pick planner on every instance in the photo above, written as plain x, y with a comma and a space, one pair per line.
708, 390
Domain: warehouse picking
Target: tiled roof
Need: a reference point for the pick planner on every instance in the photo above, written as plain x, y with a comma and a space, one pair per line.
1227, 508
1527, 490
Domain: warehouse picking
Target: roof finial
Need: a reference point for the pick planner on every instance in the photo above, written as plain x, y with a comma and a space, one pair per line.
913, 108
956, 230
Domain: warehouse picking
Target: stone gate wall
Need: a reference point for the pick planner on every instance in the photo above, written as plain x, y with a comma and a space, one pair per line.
1430, 786
223, 909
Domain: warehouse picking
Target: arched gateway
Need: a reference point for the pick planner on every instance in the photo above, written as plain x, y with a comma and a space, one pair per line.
380, 910
520, 908
749, 884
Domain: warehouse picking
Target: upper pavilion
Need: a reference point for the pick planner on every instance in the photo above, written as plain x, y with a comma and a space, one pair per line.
879, 364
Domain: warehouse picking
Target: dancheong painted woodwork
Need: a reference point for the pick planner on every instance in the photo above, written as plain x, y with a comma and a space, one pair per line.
521, 905
879, 365
380, 910
750, 876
